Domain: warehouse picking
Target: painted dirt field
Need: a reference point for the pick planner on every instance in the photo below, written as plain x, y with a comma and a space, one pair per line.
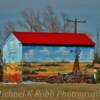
42, 70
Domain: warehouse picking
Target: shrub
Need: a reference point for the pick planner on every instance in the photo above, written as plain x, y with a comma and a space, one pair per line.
1, 73
98, 76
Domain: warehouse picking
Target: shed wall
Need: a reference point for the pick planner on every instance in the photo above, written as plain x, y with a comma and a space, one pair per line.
12, 50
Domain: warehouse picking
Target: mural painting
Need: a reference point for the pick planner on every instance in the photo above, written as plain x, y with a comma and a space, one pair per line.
43, 61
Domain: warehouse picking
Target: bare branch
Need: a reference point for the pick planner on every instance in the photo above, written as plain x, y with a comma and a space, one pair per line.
50, 20
31, 21
10, 27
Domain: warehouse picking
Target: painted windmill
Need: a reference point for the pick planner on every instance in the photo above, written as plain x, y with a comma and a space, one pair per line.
76, 67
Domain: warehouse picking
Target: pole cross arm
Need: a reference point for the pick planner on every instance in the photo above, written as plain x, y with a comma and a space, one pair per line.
76, 21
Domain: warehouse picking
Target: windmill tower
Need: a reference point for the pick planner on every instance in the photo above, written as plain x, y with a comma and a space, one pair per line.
76, 67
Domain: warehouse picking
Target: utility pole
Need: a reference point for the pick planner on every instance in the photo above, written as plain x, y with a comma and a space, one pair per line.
75, 21
1, 66
76, 67
97, 42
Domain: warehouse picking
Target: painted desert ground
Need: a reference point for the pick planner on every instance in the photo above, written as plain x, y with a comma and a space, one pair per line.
42, 70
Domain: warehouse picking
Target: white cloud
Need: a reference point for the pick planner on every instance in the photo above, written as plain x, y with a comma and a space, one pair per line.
31, 51
29, 54
63, 50
45, 50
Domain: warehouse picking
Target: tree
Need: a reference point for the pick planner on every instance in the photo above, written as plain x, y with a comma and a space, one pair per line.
96, 58
8, 28
45, 21
51, 21
98, 76
30, 21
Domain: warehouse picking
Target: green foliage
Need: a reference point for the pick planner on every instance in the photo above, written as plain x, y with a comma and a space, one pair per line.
89, 66
1, 73
27, 72
98, 76
97, 58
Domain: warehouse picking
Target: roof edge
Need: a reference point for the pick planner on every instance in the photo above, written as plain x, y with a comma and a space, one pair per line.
80, 33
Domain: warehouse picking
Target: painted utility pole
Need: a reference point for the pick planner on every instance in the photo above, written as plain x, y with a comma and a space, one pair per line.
75, 21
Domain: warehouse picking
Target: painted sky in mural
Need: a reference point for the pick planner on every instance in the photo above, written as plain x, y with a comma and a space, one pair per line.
55, 53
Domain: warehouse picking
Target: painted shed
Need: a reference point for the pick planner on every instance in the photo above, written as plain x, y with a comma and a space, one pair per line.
40, 50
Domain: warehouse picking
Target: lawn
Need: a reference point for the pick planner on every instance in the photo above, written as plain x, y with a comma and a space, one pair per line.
44, 91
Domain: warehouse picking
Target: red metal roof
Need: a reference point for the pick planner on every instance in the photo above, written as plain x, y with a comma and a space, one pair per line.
47, 38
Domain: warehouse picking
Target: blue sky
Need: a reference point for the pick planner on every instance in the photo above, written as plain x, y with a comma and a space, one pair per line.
62, 53
88, 10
